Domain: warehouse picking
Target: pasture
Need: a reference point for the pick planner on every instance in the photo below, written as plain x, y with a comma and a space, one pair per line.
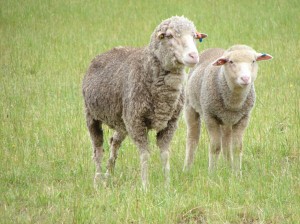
45, 151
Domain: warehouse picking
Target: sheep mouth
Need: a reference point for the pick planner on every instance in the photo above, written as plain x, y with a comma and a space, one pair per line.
178, 62
189, 64
244, 85
185, 63
189, 61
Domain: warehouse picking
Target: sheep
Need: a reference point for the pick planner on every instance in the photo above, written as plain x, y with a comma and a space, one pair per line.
220, 90
134, 90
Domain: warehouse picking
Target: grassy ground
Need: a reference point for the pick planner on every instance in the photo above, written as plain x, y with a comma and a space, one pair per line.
45, 157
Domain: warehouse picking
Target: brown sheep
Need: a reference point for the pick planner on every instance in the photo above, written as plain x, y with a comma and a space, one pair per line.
133, 90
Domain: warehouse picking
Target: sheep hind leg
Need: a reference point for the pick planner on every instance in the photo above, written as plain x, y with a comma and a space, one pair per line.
193, 122
96, 133
115, 143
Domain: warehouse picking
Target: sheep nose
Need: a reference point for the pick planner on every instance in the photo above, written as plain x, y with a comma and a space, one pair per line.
193, 58
245, 79
194, 55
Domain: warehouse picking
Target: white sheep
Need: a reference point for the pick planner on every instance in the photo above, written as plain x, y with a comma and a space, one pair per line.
220, 90
133, 90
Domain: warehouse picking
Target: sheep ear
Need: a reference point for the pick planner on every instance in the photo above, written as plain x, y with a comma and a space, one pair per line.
203, 35
200, 35
220, 61
263, 57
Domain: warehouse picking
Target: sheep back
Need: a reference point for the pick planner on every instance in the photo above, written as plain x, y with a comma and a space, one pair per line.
105, 81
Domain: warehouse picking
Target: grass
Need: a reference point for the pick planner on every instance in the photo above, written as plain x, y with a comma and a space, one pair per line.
45, 157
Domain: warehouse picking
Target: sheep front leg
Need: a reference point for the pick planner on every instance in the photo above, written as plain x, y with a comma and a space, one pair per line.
142, 144
144, 157
193, 123
163, 139
214, 132
227, 143
237, 142
139, 134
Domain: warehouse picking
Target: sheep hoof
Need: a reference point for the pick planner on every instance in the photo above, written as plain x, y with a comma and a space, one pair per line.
238, 173
97, 180
144, 188
167, 184
186, 168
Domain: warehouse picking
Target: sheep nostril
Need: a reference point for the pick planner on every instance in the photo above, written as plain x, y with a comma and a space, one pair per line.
193, 55
245, 79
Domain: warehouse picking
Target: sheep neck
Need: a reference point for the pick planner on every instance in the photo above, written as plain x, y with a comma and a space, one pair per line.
234, 97
165, 87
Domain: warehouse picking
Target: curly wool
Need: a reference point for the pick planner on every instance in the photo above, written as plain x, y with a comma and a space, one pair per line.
133, 90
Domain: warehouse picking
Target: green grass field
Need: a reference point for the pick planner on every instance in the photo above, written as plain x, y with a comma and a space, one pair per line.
45, 151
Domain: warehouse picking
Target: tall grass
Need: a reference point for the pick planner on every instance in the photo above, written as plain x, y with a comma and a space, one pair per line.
45, 157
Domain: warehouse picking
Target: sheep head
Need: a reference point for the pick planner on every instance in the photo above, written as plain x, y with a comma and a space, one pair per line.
174, 43
240, 65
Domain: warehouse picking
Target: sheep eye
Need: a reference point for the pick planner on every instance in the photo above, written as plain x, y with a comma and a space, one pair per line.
161, 36
170, 36
231, 62
253, 61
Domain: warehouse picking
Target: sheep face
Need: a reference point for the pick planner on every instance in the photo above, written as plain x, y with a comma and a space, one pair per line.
240, 66
177, 50
174, 43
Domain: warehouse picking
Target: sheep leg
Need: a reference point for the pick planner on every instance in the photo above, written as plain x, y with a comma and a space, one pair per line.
227, 143
139, 134
144, 157
193, 123
237, 153
214, 132
96, 134
115, 143
163, 139
237, 138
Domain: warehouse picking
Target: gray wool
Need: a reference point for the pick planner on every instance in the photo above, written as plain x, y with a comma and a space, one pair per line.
126, 84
